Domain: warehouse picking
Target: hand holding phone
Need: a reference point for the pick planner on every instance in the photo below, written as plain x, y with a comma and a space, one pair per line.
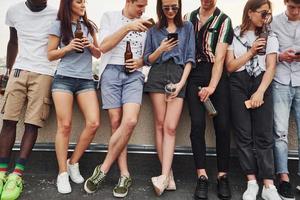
173, 36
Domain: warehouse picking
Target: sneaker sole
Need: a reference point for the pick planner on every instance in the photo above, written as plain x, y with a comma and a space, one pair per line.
118, 195
157, 190
285, 198
86, 188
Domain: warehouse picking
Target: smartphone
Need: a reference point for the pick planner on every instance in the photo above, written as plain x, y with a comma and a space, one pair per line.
151, 20
297, 53
173, 35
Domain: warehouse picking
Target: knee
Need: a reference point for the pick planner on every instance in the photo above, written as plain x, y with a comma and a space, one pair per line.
159, 124
115, 123
130, 123
93, 125
64, 129
170, 130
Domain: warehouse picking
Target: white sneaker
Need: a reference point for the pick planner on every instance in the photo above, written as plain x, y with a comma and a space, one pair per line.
63, 184
270, 193
74, 173
252, 191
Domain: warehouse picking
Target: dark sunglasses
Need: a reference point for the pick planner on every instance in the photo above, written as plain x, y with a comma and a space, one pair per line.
170, 8
264, 13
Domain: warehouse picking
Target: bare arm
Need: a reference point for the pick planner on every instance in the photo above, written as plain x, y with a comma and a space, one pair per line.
114, 39
12, 48
93, 47
217, 71
54, 53
181, 83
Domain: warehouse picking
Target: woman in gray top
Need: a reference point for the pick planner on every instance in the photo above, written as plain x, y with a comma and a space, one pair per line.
73, 78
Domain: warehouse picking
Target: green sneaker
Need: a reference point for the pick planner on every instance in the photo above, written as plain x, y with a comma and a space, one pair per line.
12, 188
92, 184
2, 181
121, 190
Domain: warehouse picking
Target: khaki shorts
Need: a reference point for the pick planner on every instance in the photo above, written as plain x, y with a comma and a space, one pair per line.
30, 89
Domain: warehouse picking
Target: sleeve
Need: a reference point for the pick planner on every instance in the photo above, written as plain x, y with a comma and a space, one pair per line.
105, 27
272, 44
55, 29
9, 18
190, 50
148, 49
226, 32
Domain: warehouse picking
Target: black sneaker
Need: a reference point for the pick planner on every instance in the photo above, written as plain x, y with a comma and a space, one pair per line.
223, 187
285, 191
201, 188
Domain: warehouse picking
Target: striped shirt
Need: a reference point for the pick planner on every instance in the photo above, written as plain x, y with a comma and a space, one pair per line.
217, 29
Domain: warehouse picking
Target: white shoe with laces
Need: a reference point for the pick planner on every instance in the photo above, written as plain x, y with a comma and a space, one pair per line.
63, 183
270, 193
74, 173
252, 191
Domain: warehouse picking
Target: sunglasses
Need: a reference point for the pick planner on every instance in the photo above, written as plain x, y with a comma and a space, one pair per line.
170, 8
264, 13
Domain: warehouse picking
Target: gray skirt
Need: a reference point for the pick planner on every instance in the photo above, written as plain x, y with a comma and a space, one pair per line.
162, 74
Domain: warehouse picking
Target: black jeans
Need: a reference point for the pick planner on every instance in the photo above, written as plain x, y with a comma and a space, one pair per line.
252, 127
200, 76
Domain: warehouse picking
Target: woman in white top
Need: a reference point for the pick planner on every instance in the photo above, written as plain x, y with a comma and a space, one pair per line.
250, 78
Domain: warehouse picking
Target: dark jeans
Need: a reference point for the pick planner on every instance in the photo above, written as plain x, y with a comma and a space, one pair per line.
200, 76
252, 127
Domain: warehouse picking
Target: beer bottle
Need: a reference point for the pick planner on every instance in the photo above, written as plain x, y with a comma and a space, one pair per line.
78, 34
3, 82
209, 106
264, 34
127, 55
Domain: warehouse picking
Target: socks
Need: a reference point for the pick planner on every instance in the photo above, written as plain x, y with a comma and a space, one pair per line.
4, 164
20, 166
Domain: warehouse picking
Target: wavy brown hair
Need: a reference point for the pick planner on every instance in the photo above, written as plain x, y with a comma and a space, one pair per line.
252, 5
64, 15
162, 20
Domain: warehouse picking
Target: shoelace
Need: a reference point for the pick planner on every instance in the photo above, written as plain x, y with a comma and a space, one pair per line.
122, 181
98, 178
202, 185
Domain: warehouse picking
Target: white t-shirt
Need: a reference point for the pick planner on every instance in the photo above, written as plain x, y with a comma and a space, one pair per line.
110, 23
249, 37
32, 29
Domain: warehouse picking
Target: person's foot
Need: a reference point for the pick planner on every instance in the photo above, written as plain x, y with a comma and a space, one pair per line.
12, 188
74, 173
270, 193
121, 189
251, 191
172, 184
2, 181
92, 183
160, 183
201, 191
63, 183
285, 191
224, 191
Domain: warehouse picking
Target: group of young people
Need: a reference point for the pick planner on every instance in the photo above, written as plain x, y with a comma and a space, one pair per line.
206, 52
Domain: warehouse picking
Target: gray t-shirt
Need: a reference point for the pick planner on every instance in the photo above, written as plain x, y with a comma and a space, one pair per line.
76, 65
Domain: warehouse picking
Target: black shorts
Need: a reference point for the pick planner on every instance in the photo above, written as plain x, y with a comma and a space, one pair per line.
162, 74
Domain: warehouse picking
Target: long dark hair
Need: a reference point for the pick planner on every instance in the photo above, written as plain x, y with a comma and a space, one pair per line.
64, 15
252, 5
162, 20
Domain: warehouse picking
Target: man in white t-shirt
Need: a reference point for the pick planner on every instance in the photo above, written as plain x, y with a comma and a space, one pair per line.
121, 86
29, 84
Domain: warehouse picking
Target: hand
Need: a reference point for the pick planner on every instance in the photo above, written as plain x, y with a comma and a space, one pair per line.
167, 45
138, 25
75, 44
205, 92
288, 56
257, 99
86, 43
134, 64
178, 87
257, 45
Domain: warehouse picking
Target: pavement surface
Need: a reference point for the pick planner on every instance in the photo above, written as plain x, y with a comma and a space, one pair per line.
41, 172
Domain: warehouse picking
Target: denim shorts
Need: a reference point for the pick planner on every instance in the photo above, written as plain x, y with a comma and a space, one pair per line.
118, 88
72, 85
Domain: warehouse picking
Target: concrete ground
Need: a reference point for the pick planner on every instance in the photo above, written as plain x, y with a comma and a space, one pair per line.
41, 172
